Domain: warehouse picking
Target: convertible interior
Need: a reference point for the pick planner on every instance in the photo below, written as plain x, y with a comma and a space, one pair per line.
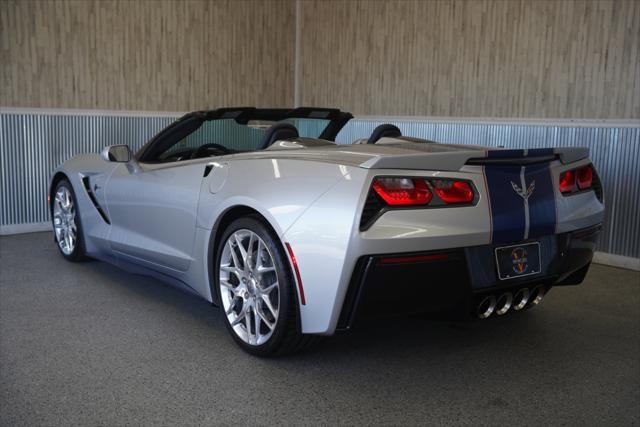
235, 130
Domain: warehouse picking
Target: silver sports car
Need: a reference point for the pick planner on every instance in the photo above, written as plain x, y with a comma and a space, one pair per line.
293, 236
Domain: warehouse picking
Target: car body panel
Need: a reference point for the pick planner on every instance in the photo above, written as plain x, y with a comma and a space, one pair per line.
153, 211
164, 217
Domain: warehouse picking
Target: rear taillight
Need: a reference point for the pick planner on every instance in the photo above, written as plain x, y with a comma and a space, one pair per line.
567, 181
584, 177
453, 191
575, 180
403, 191
393, 192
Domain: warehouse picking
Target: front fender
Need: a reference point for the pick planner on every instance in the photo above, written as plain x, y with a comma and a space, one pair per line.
95, 230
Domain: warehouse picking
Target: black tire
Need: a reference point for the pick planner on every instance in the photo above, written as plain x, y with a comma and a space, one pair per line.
286, 337
78, 254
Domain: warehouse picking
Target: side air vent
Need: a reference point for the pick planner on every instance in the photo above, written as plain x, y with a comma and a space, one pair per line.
373, 207
92, 197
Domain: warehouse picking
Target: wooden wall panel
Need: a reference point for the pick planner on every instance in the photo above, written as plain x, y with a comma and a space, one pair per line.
514, 58
146, 55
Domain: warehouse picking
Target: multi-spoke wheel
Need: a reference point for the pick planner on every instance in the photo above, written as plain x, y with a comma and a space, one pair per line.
256, 290
66, 223
249, 287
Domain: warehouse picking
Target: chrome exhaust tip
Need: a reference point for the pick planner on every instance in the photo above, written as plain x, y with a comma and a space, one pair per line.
537, 295
520, 299
486, 307
503, 303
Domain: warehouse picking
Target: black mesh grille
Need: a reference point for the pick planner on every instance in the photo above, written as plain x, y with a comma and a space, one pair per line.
372, 208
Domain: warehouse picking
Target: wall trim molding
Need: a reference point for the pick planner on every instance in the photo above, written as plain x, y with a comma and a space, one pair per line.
600, 123
81, 112
602, 258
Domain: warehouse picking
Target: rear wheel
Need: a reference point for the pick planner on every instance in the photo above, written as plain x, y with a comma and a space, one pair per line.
66, 222
256, 290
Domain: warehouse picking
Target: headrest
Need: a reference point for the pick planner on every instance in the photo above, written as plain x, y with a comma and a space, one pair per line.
385, 130
277, 132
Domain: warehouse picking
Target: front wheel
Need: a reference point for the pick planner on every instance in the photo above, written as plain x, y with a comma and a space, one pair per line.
66, 222
256, 290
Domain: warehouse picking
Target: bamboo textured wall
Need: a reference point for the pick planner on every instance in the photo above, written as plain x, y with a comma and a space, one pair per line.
494, 58
139, 55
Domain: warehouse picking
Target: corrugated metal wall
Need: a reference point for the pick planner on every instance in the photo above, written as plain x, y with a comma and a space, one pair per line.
32, 145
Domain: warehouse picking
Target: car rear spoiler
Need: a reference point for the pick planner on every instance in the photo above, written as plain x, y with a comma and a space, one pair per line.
454, 161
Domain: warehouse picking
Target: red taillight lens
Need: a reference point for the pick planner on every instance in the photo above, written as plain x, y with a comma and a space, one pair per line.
584, 177
403, 191
567, 181
451, 191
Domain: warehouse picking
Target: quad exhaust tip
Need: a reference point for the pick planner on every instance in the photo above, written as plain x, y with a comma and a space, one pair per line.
520, 299
537, 295
503, 304
486, 307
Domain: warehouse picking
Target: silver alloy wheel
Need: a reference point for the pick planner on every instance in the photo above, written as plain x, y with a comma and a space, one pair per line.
249, 287
64, 220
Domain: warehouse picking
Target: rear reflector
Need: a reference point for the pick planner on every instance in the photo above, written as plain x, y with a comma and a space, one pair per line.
403, 191
452, 191
413, 258
297, 273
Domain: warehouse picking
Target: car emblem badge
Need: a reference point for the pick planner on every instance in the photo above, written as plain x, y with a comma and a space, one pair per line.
521, 191
519, 261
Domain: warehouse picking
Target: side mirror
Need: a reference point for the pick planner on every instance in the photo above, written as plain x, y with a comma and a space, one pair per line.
116, 153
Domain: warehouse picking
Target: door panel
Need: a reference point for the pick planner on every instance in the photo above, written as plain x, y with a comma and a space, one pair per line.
153, 211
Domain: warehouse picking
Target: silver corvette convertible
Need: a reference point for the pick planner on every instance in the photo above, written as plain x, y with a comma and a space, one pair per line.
293, 236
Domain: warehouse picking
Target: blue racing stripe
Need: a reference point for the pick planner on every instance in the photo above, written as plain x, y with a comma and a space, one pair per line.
522, 201
507, 207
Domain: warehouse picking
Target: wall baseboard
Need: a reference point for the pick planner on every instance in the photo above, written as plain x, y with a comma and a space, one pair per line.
620, 261
7, 230
603, 258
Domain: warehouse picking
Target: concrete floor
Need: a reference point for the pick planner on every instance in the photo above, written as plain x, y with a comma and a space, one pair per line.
87, 344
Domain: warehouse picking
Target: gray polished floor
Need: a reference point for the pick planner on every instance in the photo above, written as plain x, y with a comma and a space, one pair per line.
87, 344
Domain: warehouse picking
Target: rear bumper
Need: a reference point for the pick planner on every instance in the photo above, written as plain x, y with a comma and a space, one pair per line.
450, 281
